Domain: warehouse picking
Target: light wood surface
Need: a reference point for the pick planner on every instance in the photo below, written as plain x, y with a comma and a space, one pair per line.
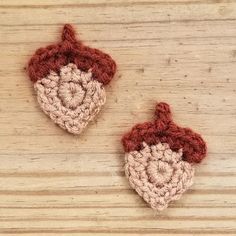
179, 51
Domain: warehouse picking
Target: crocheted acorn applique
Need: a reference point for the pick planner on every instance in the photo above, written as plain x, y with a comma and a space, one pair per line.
160, 158
69, 80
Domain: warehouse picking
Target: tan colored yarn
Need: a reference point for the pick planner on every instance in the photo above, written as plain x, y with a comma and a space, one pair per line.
158, 174
71, 99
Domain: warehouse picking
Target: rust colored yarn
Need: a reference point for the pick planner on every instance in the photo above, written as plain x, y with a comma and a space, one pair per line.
69, 81
70, 50
164, 130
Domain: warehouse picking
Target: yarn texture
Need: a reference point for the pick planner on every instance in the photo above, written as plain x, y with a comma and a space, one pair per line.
69, 80
160, 157
71, 98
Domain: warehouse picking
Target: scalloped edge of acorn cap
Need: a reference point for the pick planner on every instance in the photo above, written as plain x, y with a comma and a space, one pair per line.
71, 50
164, 130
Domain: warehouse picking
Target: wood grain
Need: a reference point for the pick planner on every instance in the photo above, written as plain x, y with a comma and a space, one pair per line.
179, 51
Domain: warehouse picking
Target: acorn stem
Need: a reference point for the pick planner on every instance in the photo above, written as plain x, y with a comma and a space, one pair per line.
163, 112
68, 34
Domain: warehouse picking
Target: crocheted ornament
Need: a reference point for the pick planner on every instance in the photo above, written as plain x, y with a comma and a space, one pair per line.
160, 158
69, 80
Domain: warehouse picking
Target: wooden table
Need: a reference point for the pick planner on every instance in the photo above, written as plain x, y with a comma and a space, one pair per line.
179, 51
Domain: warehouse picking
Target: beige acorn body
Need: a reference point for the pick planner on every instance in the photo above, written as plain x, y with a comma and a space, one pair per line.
158, 174
70, 98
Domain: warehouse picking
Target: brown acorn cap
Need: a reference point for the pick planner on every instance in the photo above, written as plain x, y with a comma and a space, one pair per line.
164, 130
71, 50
